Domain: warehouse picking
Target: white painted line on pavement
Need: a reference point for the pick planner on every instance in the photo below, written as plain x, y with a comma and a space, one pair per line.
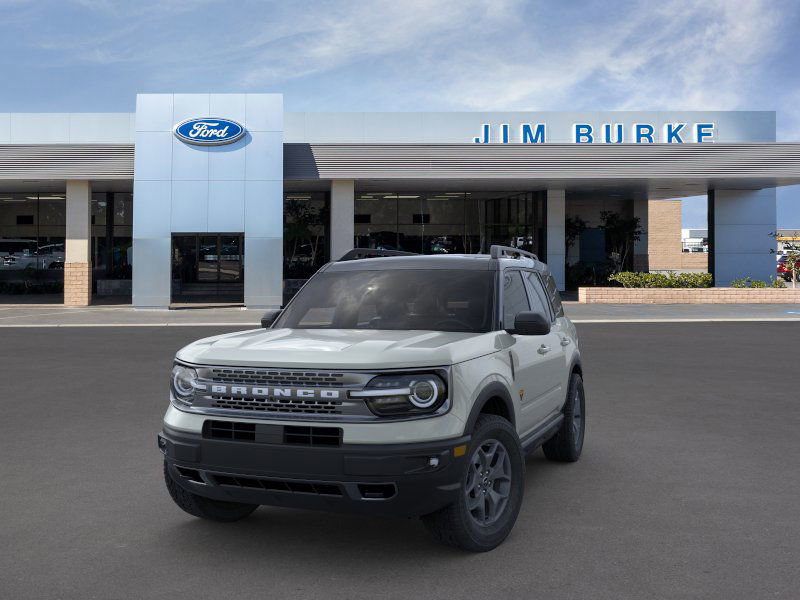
698, 320
43, 325
256, 325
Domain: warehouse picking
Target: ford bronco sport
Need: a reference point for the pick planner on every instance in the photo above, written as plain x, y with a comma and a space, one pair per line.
389, 385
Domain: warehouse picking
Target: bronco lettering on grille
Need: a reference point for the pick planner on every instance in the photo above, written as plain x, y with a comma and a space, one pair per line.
277, 392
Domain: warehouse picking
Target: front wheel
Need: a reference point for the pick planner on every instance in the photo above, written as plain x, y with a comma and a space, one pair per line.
566, 445
492, 486
205, 508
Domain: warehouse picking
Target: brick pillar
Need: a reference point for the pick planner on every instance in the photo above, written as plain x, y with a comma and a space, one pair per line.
77, 261
664, 235
77, 283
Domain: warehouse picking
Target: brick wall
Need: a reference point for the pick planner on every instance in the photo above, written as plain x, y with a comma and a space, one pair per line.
77, 284
664, 246
618, 295
694, 260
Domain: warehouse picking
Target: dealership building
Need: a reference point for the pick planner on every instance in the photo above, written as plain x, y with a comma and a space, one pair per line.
230, 198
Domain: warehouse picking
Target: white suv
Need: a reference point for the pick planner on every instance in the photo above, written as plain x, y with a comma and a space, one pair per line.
402, 385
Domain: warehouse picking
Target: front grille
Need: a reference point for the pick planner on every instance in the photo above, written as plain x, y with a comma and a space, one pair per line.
281, 394
280, 485
271, 377
230, 430
278, 405
265, 433
312, 436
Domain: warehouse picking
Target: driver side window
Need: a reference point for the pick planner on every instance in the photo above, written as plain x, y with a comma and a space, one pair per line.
515, 298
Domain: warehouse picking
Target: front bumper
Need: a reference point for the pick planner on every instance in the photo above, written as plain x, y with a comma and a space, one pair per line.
381, 479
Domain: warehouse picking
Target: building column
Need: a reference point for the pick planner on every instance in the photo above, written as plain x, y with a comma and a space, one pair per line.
556, 240
740, 224
664, 246
342, 211
640, 248
77, 259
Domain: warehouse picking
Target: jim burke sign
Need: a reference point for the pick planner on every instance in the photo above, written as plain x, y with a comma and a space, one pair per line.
604, 133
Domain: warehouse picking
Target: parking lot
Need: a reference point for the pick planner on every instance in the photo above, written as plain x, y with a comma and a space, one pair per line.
688, 487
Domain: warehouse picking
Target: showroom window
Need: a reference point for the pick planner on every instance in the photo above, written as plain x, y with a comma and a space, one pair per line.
32, 227
449, 222
112, 225
306, 225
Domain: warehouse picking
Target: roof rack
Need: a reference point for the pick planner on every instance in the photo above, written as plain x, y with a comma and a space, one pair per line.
509, 252
358, 253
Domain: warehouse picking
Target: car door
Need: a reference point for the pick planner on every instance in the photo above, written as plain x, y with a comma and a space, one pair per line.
534, 357
557, 374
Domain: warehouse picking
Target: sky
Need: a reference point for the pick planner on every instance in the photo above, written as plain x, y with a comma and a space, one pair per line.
410, 55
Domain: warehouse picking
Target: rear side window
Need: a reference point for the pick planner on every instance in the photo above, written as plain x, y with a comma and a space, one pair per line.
555, 297
515, 298
539, 301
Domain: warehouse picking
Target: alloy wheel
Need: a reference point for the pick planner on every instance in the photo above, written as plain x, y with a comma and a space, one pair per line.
488, 486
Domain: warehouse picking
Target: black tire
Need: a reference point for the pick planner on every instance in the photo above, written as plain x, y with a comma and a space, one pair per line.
455, 525
206, 508
566, 445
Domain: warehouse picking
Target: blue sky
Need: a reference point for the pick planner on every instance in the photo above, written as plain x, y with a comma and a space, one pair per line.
95, 55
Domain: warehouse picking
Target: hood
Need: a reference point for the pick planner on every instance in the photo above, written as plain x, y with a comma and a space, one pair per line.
339, 348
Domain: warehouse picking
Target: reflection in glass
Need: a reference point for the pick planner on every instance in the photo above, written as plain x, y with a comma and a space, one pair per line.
306, 222
449, 222
32, 227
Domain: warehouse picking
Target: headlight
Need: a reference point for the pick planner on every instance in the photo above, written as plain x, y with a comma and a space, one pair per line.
400, 395
183, 383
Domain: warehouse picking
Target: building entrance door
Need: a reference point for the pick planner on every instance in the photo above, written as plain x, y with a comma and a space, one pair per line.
208, 267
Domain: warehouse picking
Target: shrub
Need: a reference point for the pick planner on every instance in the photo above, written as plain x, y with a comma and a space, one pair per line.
741, 282
746, 282
662, 280
777, 282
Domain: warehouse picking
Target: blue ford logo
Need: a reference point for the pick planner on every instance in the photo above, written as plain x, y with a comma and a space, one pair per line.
209, 131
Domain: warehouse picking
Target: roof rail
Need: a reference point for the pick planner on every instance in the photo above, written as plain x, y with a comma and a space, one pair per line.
358, 253
501, 251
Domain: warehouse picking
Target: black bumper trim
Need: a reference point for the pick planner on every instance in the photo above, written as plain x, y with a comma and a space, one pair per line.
385, 479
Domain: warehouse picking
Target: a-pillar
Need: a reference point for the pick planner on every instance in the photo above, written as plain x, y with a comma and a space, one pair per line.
77, 260
342, 214
556, 240
740, 223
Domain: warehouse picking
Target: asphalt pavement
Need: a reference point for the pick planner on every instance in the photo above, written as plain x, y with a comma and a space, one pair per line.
20, 315
688, 486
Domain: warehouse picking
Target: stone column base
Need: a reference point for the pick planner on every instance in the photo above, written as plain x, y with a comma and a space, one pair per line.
77, 284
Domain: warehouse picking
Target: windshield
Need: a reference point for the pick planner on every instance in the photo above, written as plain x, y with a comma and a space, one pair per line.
438, 300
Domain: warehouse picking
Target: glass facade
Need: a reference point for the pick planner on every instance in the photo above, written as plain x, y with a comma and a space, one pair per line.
450, 222
32, 230
32, 227
306, 233
208, 267
112, 234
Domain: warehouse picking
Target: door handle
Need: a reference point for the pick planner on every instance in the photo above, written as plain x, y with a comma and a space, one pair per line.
565, 341
543, 349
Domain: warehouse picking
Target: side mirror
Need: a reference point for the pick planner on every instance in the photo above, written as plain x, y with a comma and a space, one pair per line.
531, 323
270, 317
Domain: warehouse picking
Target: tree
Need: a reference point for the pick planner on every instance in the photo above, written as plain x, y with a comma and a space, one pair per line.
621, 234
573, 228
792, 248
300, 228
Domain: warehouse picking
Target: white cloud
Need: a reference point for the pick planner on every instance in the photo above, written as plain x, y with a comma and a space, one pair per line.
358, 31
674, 54
451, 54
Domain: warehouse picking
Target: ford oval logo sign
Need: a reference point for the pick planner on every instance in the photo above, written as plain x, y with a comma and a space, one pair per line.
209, 131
